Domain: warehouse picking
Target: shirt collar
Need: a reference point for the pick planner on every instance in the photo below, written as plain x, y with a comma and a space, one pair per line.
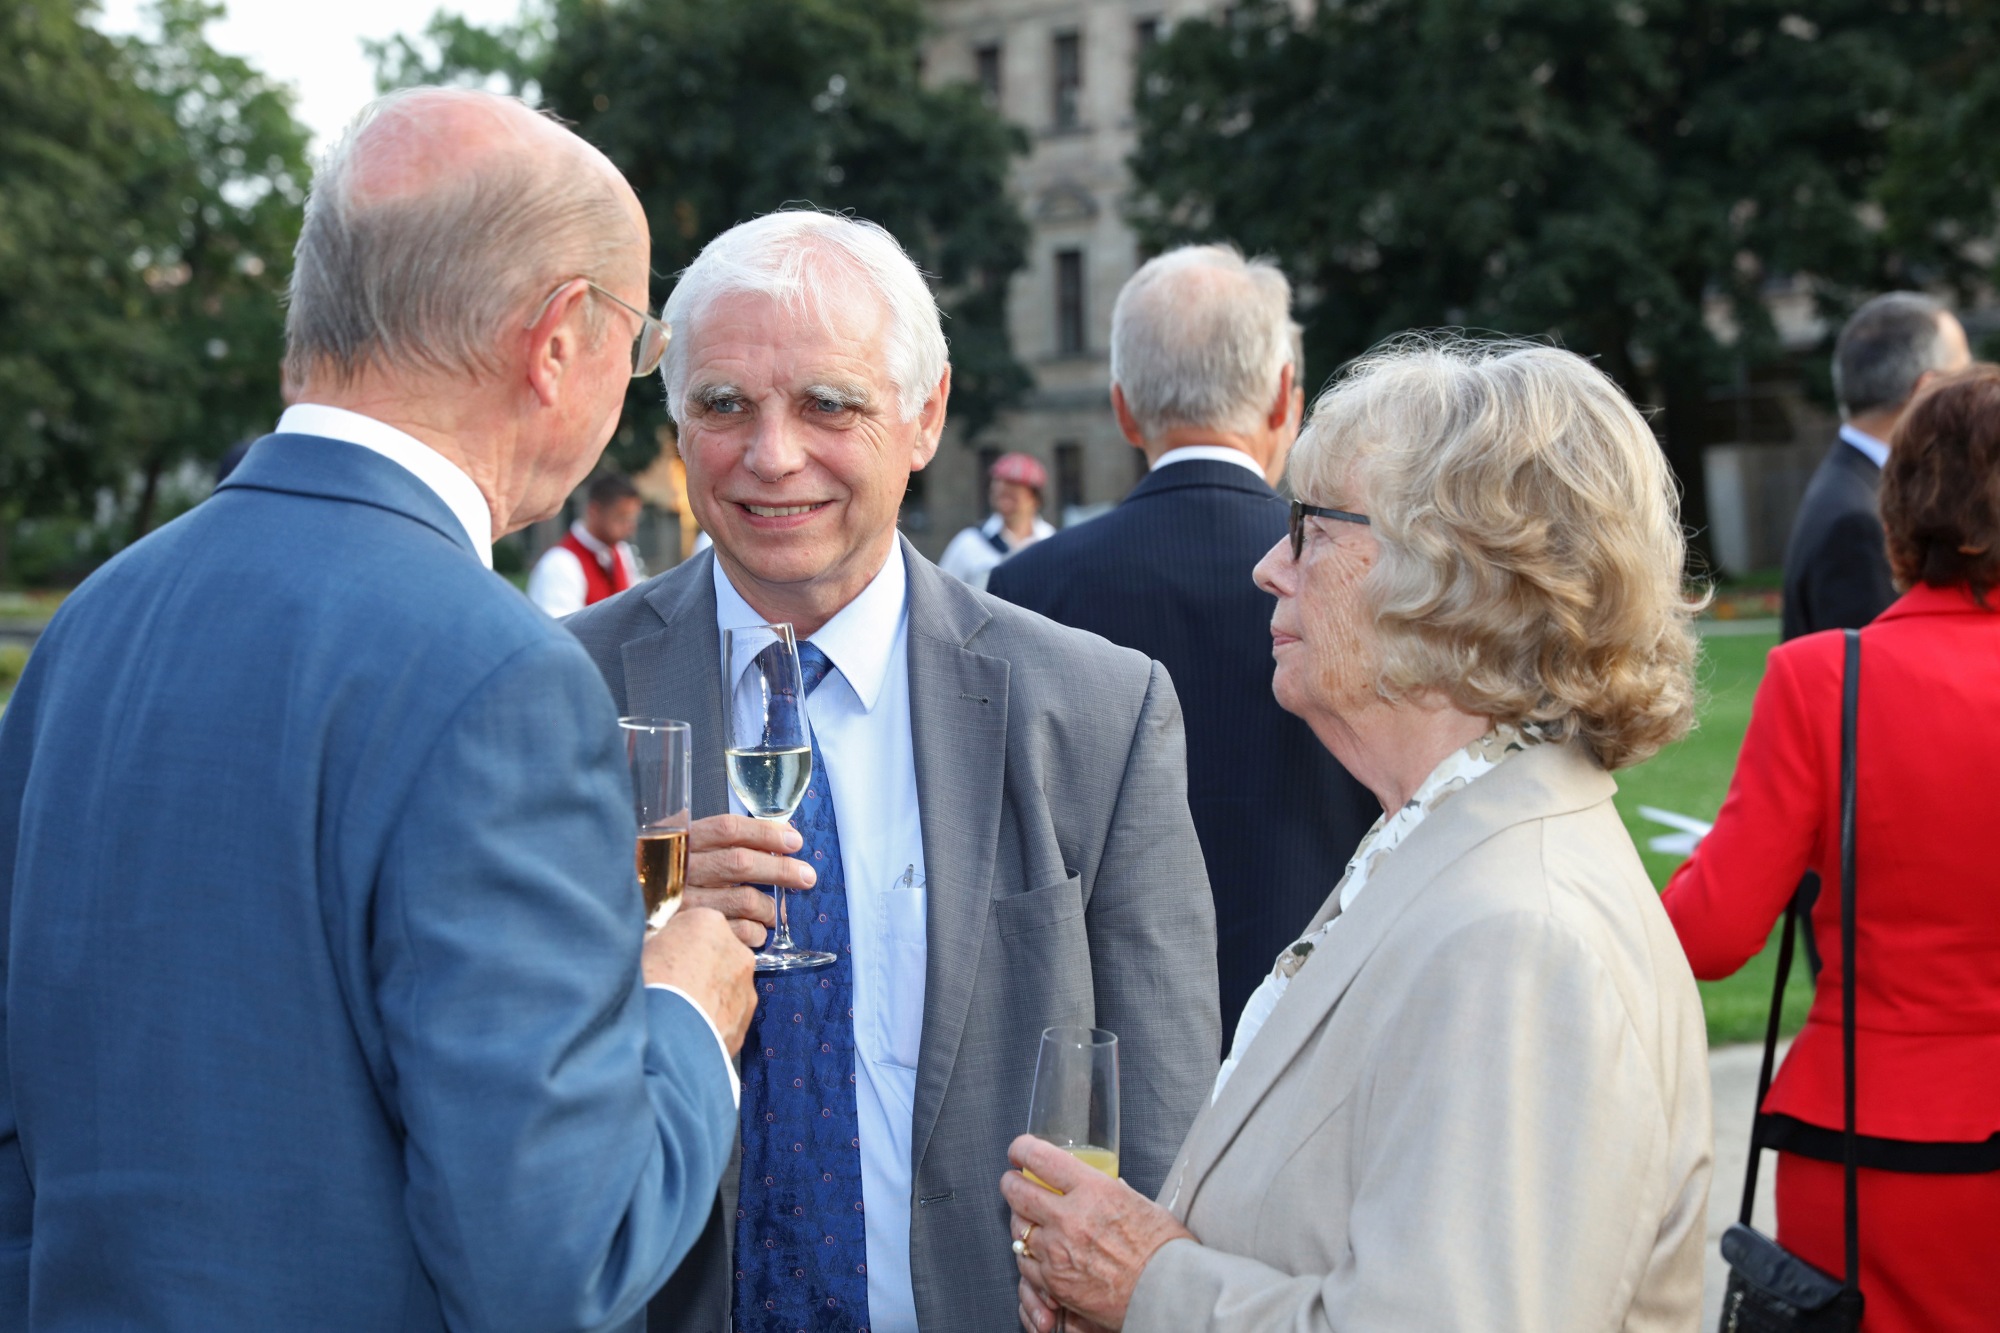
862, 636
1208, 453
589, 540
996, 526
445, 478
1878, 452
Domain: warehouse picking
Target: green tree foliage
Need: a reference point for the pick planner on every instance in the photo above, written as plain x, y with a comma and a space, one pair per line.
75, 132
149, 198
719, 110
227, 198
1628, 177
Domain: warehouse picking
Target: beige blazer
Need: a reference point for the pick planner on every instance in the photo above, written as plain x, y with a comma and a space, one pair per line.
1482, 1105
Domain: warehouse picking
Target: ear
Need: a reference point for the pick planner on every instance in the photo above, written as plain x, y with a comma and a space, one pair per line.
930, 424
555, 342
1128, 425
1288, 401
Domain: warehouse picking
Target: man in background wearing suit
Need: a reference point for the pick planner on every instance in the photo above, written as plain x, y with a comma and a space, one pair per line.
1836, 562
319, 930
995, 836
1203, 370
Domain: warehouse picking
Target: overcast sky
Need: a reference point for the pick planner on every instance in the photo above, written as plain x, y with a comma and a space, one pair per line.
315, 47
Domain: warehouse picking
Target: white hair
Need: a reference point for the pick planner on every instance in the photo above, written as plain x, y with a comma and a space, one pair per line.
809, 262
1199, 337
428, 280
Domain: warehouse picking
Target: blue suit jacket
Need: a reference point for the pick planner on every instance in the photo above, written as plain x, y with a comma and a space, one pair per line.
1168, 573
320, 940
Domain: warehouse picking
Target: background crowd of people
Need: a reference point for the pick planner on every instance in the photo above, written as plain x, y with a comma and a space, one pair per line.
328, 1000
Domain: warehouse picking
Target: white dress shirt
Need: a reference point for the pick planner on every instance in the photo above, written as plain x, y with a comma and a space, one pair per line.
860, 718
1209, 453
445, 478
1877, 452
557, 584
971, 557
462, 496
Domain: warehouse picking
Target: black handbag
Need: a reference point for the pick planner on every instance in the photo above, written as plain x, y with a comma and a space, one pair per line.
1770, 1289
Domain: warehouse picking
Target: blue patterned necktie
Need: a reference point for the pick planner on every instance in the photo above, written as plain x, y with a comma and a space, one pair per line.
801, 1239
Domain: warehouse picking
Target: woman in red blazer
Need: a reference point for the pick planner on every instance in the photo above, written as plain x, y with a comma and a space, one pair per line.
1927, 870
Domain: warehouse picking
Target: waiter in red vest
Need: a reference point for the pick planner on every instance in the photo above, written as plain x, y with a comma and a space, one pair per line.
595, 559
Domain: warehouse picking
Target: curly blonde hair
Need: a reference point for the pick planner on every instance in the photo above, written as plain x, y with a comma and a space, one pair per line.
1531, 547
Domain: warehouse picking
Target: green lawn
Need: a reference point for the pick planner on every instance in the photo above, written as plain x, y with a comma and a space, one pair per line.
1691, 778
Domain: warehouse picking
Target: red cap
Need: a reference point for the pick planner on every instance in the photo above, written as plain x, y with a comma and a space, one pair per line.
1020, 468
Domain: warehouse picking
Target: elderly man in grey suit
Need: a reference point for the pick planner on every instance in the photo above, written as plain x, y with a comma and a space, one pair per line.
1002, 842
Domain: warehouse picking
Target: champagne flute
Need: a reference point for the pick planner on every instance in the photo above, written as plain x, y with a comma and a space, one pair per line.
1074, 1104
657, 756
767, 746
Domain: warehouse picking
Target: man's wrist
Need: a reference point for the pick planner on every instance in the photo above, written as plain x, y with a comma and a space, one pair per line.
735, 1082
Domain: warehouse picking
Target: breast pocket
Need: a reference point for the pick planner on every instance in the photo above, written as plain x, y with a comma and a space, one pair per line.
899, 1022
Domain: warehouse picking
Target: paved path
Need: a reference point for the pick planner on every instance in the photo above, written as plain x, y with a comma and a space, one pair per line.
1732, 1070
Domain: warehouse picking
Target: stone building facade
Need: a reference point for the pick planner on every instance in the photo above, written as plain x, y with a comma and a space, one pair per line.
1064, 71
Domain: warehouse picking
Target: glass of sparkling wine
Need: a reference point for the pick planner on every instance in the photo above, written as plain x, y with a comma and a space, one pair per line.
1074, 1104
657, 756
1075, 1101
767, 746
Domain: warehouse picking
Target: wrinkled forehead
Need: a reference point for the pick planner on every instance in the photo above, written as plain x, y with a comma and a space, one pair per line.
760, 341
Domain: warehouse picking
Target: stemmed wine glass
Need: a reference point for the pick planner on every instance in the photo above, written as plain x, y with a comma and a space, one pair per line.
767, 746
1074, 1104
656, 755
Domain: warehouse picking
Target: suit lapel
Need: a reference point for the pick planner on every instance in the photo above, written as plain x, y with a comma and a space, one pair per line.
958, 731
676, 672
1546, 780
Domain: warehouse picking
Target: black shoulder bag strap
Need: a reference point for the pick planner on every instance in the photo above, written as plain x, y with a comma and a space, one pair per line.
1850, 698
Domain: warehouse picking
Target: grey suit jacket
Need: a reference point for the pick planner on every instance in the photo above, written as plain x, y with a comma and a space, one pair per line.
1066, 886
1482, 1105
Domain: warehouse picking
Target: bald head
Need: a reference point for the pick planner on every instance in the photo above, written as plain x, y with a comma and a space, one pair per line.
434, 227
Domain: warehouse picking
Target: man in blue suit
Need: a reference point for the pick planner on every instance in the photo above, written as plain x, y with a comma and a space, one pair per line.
1203, 367
323, 1002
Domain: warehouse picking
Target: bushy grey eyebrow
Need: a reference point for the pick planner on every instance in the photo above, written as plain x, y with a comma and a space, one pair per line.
852, 396
708, 395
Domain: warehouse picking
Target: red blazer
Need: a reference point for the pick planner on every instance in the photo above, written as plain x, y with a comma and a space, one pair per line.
1928, 927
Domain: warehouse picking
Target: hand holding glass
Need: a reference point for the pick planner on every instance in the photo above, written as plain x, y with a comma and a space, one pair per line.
657, 755
767, 746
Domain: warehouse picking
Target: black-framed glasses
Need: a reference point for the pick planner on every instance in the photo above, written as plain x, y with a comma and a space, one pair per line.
1302, 511
648, 346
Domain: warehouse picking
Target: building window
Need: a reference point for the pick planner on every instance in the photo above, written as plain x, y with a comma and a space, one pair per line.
1069, 80
1069, 476
1069, 303
987, 58
989, 454
1145, 36
916, 515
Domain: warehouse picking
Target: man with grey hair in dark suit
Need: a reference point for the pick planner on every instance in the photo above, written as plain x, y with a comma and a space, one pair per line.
1204, 371
995, 838
1836, 563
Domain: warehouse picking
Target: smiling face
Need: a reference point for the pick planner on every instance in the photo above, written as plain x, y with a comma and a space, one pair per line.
797, 454
1322, 632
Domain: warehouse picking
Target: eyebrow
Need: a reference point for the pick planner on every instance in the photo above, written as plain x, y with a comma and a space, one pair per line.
708, 395
847, 395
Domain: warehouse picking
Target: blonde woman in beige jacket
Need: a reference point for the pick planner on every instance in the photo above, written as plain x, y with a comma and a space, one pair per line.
1474, 1094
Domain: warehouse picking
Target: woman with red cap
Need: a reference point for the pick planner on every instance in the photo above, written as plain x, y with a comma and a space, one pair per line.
1015, 491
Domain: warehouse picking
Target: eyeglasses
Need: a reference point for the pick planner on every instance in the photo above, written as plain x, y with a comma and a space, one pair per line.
648, 346
1302, 511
